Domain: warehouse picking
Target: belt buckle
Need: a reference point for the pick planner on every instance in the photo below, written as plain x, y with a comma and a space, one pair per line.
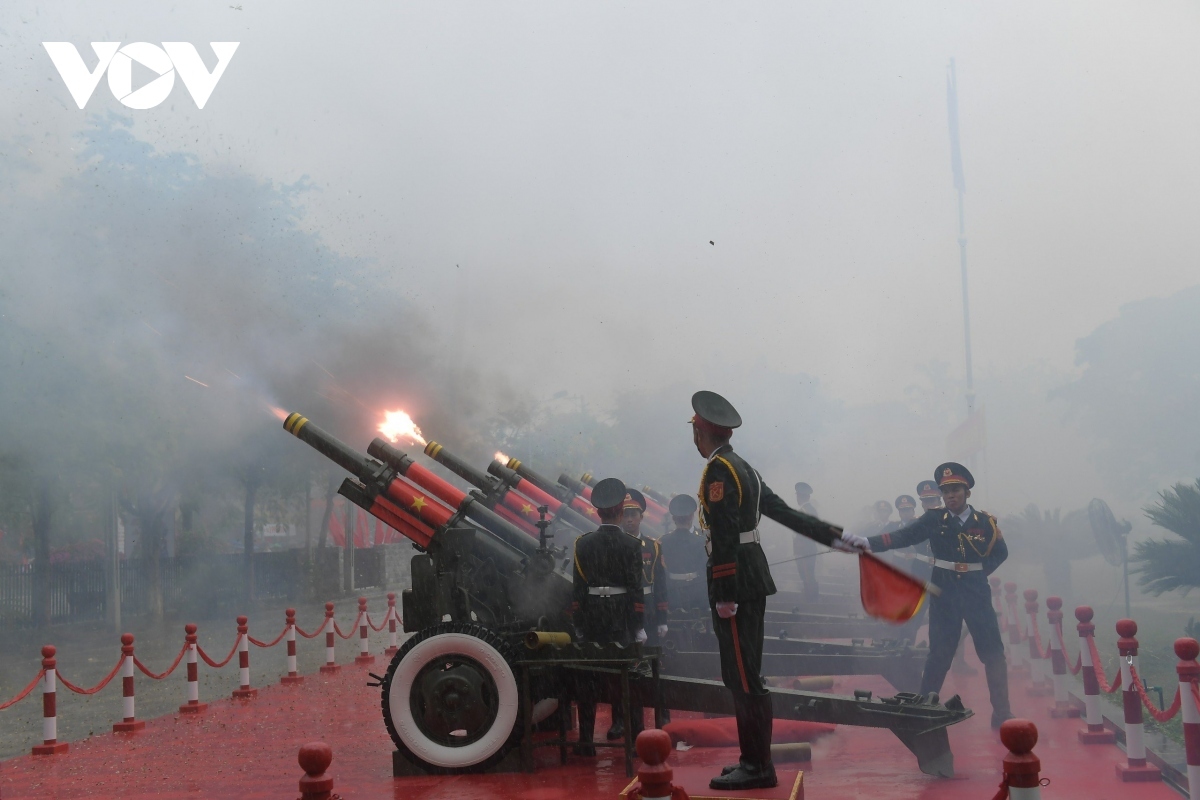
961, 566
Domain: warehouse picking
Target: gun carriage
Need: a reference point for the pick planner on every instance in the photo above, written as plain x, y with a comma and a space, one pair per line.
457, 697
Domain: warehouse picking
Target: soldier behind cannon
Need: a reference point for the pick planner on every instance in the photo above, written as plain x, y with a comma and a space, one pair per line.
684, 556
608, 602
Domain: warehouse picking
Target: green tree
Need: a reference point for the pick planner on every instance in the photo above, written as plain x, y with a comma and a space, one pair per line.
1165, 565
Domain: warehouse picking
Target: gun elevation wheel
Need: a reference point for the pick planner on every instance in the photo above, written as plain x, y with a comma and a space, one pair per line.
450, 698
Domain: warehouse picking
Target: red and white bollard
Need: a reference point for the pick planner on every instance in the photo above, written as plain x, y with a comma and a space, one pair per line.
292, 676
1038, 667
1018, 667
1022, 769
193, 704
654, 775
50, 744
1095, 733
1062, 708
330, 666
315, 758
1189, 672
1135, 769
392, 645
130, 723
364, 637
244, 692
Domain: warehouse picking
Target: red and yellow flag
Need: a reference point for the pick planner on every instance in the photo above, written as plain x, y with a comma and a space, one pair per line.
888, 593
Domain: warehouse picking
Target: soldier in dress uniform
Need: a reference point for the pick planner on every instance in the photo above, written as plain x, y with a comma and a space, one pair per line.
732, 499
931, 500
930, 495
804, 549
967, 547
683, 552
608, 604
654, 586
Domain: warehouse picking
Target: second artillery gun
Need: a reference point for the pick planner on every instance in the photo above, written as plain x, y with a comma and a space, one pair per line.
451, 699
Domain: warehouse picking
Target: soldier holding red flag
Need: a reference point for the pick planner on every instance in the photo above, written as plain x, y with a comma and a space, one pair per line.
966, 548
732, 498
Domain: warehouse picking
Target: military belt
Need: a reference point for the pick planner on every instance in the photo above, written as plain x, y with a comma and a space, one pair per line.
954, 566
606, 591
683, 576
748, 537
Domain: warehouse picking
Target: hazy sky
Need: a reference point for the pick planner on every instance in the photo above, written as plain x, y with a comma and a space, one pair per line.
551, 175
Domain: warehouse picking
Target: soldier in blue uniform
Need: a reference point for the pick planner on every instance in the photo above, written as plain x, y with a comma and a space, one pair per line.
683, 553
966, 548
608, 605
733, 498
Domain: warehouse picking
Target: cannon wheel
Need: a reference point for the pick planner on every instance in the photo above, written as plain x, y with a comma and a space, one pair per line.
450, 699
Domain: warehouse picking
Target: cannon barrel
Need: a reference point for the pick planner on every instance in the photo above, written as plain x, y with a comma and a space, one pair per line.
581, 516
453, 497
657, 496
655, 512
502, 492
556, 490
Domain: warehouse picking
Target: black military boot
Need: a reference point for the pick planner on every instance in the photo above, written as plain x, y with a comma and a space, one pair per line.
746, 776
996, 670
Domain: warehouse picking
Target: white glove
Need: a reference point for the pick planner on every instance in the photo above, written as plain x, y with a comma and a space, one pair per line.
641, 635
662, 631
726, 610
851, 543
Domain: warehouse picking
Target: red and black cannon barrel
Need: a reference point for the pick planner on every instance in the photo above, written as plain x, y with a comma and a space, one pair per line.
655, 512
507, 502
408, 505
505, 525
556, 490
584, 521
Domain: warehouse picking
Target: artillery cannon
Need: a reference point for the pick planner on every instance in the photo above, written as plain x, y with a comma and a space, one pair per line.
451, 699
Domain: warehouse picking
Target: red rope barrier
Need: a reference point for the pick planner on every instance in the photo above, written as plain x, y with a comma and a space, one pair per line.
257, 643
1037, 639
353, 629
315, 633
1105, 686
214, 664
137, 663
24, 692
1078, 659
1160, 716
95, 688
386, 617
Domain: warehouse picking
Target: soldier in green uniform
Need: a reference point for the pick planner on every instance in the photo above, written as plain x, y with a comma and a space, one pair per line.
683, 552
608, 604
966, 548
654, 586
732, 498
804, 549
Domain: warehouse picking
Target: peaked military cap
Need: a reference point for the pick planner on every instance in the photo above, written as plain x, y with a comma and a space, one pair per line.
803, 488
608, 493
905, 501
928, 489
951, 473
682, 505
715, 410
883, 505
634, 499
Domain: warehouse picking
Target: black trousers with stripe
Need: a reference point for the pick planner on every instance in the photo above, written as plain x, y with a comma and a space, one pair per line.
740, 639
